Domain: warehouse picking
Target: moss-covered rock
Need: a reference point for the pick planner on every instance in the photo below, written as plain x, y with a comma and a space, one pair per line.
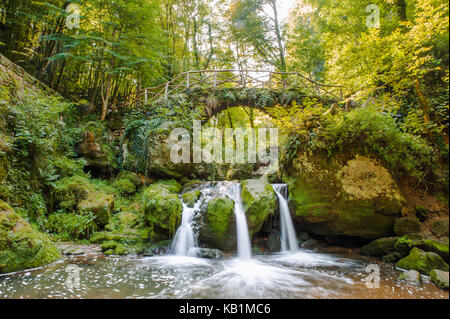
114, 248
22, 247
124, 186
439, 278
406, 243
405, 225
379, 247
436, 247
218, 224
162, 207
258, 201
190, 198
423, 262
343, 195
99, 203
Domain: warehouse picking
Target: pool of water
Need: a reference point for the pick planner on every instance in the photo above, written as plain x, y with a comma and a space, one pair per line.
300, 275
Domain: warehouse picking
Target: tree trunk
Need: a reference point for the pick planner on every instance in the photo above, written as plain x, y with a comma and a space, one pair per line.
279, 37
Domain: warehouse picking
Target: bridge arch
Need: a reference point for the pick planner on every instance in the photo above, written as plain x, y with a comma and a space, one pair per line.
221, 89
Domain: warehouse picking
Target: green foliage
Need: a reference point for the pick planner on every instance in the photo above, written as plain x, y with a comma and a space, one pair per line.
70, 226
68, 192
124, 186
364, 130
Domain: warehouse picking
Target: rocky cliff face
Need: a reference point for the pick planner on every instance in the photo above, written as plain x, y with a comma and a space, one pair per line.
343, 196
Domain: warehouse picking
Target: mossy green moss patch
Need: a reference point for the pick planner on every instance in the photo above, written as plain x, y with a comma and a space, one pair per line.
190, 198
423, 262
258, 200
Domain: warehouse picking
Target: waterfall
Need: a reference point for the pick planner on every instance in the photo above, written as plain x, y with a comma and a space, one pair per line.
185, 242
288, 237
243, 238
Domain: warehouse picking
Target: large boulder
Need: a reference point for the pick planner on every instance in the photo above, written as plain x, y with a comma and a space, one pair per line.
22, 247
423, 262
218, 223
163, 208
379, 247
343, 196
258, 201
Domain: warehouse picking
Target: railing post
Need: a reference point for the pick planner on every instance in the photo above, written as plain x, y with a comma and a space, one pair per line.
243, 79
187, 80
215, 80
166, 92
146, 96
270, 80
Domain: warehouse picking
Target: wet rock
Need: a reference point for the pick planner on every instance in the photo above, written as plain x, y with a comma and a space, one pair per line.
210, 253
157, 248
218, 223
405, 226
440, 228
439, 278
303, 236
310, 244
274, 241
392, 257
379, 247
22, 247
339, 196
423, 262
411, 277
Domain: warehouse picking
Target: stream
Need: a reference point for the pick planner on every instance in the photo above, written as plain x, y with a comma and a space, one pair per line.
300, 275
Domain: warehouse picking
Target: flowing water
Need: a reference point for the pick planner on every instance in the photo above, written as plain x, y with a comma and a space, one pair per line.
288, 236
293, 273
301, 275
185, 240
244, 247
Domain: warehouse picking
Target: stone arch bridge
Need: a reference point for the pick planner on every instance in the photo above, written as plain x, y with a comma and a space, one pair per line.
221, 89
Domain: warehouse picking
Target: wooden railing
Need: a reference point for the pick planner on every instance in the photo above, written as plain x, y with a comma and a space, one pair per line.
231, 78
